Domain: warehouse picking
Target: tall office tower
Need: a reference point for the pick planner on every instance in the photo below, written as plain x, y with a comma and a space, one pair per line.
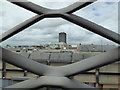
62, 37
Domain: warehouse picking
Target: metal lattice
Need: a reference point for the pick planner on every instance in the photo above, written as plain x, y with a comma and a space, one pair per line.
52, 75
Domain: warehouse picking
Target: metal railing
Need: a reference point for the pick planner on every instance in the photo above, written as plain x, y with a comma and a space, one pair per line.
52, 75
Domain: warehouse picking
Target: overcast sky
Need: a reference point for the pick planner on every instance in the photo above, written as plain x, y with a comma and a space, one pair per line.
47, 30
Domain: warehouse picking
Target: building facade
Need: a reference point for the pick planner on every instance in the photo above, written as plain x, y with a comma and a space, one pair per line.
63, 37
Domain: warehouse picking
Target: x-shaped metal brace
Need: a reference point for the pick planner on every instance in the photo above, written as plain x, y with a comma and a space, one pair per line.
51, 75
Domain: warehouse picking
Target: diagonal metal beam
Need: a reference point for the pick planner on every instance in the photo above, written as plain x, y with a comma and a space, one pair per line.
30, 6
76, 6
31, 21
68, 70
92, 27
21, 27
62, 82
92, 62
40, 10
23, 62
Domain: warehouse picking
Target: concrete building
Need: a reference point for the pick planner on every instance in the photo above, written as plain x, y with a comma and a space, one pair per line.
62, 37
95, 48
59, 45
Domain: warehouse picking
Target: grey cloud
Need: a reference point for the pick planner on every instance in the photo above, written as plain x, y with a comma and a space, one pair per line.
109, 3
13, 15
50, 23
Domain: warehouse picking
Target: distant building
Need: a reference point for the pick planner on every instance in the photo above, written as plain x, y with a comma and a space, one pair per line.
95, 48
62, 37
61, 45
73, 47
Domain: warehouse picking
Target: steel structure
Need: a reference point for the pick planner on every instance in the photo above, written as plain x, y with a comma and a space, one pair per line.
51, 75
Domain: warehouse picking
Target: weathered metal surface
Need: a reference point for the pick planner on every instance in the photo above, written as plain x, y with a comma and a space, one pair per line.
68, 70
20, 27
62, 82
93, 27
